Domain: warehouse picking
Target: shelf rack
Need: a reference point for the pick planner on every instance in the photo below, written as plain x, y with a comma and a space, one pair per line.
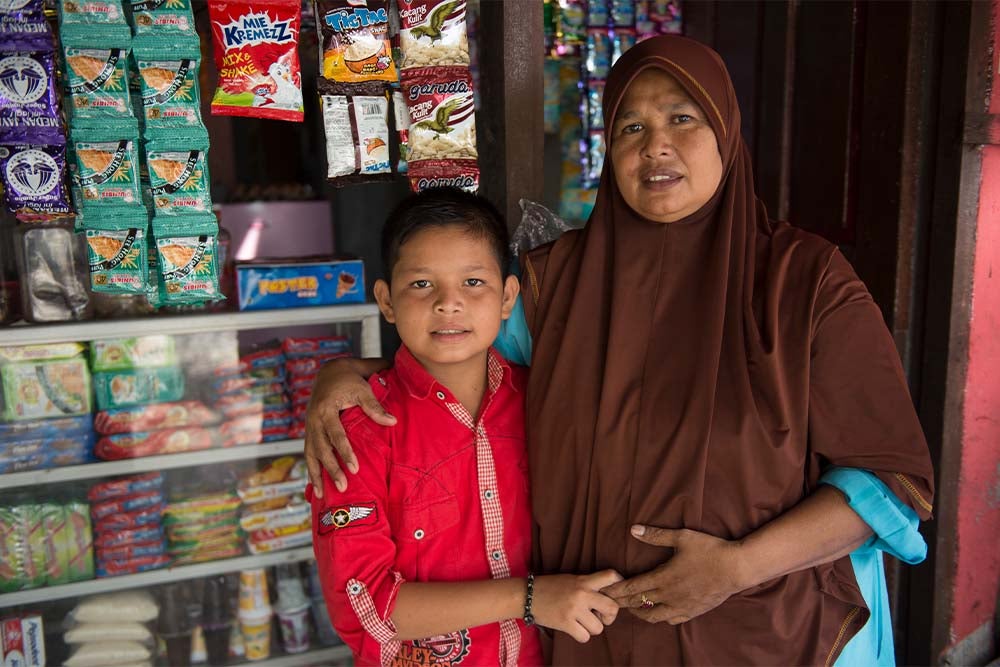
366, 313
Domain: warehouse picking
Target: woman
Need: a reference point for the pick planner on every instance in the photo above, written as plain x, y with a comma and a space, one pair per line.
715, 408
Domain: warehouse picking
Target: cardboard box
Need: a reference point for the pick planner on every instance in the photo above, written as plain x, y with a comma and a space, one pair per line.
23, 642
264, 285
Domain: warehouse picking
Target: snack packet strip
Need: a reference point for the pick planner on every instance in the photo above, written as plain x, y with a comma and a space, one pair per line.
256, 53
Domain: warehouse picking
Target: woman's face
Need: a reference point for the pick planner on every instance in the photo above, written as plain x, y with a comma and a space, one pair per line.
664, 152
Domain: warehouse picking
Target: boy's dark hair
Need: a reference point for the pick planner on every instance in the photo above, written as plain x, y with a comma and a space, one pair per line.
444, 207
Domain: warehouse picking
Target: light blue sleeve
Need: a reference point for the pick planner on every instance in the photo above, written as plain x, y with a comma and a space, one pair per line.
514, 340
893, 521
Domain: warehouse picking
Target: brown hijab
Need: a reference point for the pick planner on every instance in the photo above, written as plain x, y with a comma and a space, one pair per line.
702, 374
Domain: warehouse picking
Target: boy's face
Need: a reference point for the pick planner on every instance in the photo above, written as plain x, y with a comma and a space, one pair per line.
447, 297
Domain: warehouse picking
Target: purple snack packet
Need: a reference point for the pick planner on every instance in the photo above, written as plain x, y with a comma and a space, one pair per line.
28, 96
34, 174
23, 24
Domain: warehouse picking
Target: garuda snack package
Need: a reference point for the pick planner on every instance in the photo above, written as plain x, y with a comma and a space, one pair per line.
256, 53
177, 161
357, 133
354, 35
34, 390
107, 160
442, 113
28, 97
187, 254
95, 65
33, 169
116, 248
432, 33
171, 18
168, 76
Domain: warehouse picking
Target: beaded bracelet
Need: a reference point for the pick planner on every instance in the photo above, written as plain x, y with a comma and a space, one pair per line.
529, 618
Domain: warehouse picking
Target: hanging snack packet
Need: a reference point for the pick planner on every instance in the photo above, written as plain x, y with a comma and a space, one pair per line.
116, 246
178, 170
161, 17
255, 44
103, 13
357, 134
442, 113
96, 80
462, 174
106, 153
22, 23
355, 40
402, 117
27, 91
168, 77
34, 174
433, 33
186, 249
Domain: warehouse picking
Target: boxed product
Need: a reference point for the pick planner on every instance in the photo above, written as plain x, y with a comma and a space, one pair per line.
127, 353
118, 389
56, 388
263, 285
23, 642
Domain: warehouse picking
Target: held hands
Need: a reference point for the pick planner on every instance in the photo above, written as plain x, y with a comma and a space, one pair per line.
338, 386
573, 604
702, 574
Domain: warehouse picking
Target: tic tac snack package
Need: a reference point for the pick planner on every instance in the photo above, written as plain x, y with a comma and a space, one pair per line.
33, 169
357, 134
107, 160
40, 389
255, 44
187, 254
96, 81
177, 160
160, 17
168, 74
432, 33
354, 35
28, 97
116, 247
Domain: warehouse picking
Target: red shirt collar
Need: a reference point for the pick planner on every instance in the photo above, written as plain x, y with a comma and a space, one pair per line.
420, 384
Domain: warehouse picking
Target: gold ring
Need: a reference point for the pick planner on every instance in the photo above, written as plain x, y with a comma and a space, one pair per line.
646, 602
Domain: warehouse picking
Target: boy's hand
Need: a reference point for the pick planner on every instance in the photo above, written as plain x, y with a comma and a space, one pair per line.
573, 604
339, 385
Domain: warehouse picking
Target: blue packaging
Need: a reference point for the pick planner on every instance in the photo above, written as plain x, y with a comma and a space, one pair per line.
325, 283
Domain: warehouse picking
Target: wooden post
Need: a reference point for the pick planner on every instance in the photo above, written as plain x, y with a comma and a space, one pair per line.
511, 135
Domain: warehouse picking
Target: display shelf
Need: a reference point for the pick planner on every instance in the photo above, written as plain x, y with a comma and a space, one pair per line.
311, 657
366, 313
150, 464
153, 577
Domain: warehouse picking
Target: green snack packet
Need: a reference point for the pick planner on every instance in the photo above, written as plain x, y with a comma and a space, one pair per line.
167, 70
178, 171
187, 254
119, 389
13, 551
94, 58
79, 541
106, 153
128, 353
33, 520
161, 17
104, 13
36, 390
54, 544
116, 247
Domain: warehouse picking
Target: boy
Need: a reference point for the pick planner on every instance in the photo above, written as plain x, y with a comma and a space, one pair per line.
443, 496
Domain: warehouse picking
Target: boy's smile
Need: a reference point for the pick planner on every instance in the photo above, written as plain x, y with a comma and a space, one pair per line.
447, 300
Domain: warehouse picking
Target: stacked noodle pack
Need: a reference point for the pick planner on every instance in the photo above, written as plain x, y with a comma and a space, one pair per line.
139, 149
303, 359
128, 522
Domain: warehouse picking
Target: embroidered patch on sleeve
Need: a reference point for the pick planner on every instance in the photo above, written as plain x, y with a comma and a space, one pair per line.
354, 515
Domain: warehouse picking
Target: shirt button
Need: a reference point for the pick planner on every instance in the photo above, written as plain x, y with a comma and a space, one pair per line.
440, 395
495, 555
419, 533
354, 589
488, 494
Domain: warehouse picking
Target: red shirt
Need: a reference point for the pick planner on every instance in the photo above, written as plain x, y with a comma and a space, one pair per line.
437, 498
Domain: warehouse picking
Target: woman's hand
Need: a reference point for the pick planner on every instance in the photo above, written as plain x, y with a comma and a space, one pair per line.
703, 572
340, 384
573, 604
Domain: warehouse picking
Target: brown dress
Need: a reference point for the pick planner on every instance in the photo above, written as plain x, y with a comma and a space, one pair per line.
703, 374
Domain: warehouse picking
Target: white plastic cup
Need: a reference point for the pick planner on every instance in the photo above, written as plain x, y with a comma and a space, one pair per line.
295, 628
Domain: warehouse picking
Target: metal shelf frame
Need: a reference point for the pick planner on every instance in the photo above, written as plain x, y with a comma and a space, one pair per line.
366, 313
312, 657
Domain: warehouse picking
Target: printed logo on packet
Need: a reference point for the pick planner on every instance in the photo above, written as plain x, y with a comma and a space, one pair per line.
354, 515
22, 80
33, 172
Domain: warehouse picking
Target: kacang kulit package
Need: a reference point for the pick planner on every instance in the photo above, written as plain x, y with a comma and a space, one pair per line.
256, 53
